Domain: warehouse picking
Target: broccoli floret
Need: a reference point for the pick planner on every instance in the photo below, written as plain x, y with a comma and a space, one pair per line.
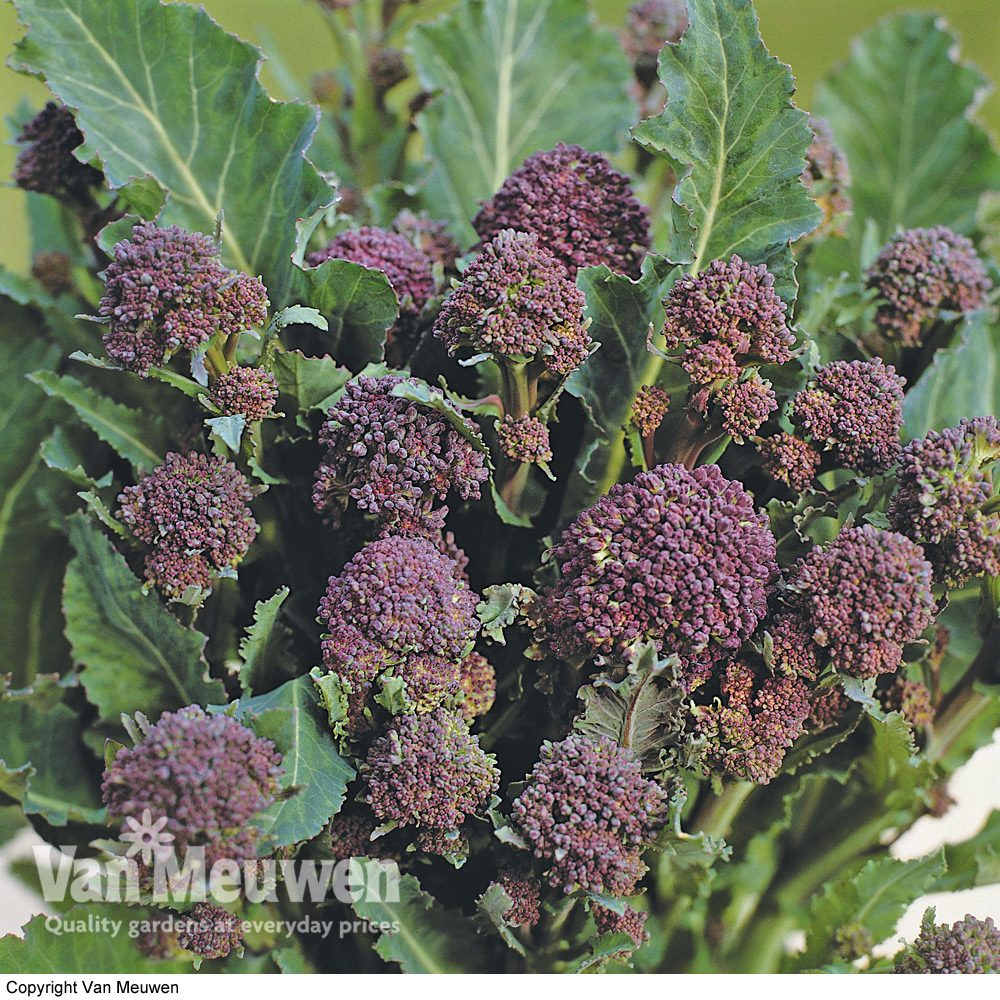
828, 177
827, 705
250, 391
192, 512
478, 684
211, 931
943, 484
651, 405
579, 206
524, 439
745, 405
679, 557
47, 165
207, 775
630, 921
967, 946
432, 238
912, 699
588, 812
166, 290
351, 833
790, 460
524, 891
921, 272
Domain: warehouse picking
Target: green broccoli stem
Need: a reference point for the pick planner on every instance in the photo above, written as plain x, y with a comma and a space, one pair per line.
690, 439
715, 815
216, 362
519, 395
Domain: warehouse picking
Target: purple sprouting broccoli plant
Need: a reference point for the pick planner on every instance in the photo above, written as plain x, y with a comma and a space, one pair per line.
478, 683
745, 405
207, 776
789, 460
400, 605
582, 210
678, 557
854, 410
588, 812
192, 513
524, 440
351, 833
651, 405
250, 391
966, 946
46, 163
919, 274
166, 290
828, 177
429, 771
912, 699
862, 597
945, 499
408, 269
395, 458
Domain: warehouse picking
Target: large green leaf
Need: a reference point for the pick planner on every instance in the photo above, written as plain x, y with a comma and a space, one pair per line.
738, 142
899, 108
136, 656
430, 939
261, 648
162, 90
512, 77
291, 716
975, 861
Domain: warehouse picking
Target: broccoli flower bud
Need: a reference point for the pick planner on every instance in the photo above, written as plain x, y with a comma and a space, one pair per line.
967, 946
524, 440
46, 163
731, 303
192, 512
393, 457
407, 268
630, 921
429, 771
524, 891
478, 684
921, 272
166, 290
828, 177
912, 700
582, 210
943, 483
745, 406
588, 812
853, 941
678, 557
399, 603
351, 833
54, 271
748, 731
826, 708
789, 460
208, 775
211, 931
430, 237
517, 302
651, 405
649, 25
853, 409
793, 652
708, 364
250, 391
863, 597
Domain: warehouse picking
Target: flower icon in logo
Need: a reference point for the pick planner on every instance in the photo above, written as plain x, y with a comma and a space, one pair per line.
147, 837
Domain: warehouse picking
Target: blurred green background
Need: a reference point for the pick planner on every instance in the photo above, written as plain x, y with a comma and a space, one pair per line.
811, 35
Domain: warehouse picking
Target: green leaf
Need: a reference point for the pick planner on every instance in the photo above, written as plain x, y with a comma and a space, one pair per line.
494, 905
975, 861
309, 383
315, 773
430, 939
262, 643
901, 110
358, 304
137, 437
876, 897
962, 381
512, 77
136, 656
162, 91
228, 430
89, 950
740, 143
59, 452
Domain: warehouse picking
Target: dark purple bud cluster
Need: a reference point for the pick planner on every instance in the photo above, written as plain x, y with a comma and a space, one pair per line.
192, 512
250, 391
828, 177
912, 700
730, 305
432, 238
399, 603
943, 482
167, 290
54, 271
393, 457
46, 163
207, 774
351, 833
524, 439
580, 207
863, 596
429, 771
630, 921
649, 408
749, 729
517, 302
524, 891
827, 706
793, 652
745, 405
853, 409
789, 460
407, 268
967, 946
478, 683
920, 273
679, 557
588, 812
211, 931
648, 27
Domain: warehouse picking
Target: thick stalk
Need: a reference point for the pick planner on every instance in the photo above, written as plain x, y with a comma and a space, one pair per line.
690, 439
716, 814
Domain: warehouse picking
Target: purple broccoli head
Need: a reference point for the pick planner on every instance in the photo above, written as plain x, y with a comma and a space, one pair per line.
828, 177
250, 391
789, 460
46, 163
210, 931
966, 946
524, 440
